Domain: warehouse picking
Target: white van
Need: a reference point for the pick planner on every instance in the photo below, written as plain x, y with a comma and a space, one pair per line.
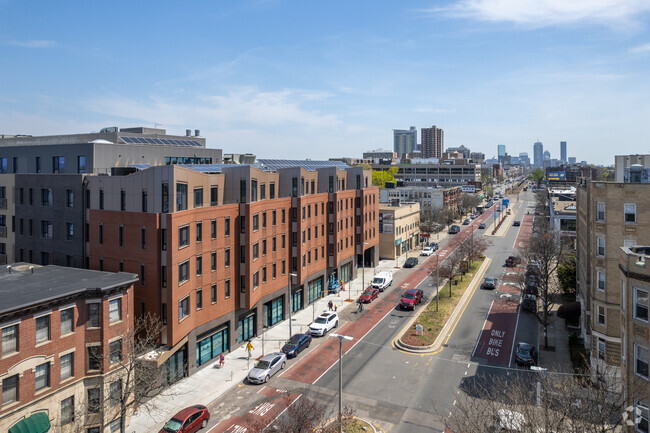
382, 280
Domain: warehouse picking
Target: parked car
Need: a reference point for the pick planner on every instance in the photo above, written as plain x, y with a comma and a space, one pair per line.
411, 262
454, 229
434, 245
467, 221
489, 283
472, 216
189, 420
512, 261
382, 280
296, 344
529, 302
411, 298
326, 321
517, 223
266, 367
427, 251
369, 295
481, 226
525, 354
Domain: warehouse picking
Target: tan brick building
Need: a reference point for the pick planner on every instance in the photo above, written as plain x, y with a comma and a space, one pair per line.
399, 229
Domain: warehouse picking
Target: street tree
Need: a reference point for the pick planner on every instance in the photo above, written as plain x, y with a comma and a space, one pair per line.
473, 247
538, 402
544, 252
566, 275
380, 177
468, 201
537, 175
450, 267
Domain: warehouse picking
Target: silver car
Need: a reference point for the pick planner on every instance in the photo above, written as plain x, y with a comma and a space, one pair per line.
266, 367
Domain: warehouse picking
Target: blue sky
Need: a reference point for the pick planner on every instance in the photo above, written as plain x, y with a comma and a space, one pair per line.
301, 79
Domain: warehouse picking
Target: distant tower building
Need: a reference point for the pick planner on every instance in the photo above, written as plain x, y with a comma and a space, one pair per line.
547, 155
405, 141
563, 151
432, 142
501, 150
524, 159
572, 160
538, 154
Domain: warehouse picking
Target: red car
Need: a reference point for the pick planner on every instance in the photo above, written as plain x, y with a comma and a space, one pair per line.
368, 295
411, 298
189, 420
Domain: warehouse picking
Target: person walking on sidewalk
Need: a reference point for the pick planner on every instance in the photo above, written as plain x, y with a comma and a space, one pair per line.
360, 307
222, 360
249, 349
330, 304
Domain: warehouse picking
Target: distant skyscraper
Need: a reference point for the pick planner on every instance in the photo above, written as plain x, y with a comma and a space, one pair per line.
563, 151
538, 154
524, 159
405, 141
432, 142
572, 160
501, 150
547, 155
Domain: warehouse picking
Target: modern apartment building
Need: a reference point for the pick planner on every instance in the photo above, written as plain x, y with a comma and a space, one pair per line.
63, 337
427, 197
432, 142
636, 167
399, 228
635, 332
215, 245
610, 215
405, 141
447, 174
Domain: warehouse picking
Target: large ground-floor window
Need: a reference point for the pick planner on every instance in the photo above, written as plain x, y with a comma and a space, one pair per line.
247, 328
175, 367
314, 290
274, 311
346, 272
211, 346
296, 300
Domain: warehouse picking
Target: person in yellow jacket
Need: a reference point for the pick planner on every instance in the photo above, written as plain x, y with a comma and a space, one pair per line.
249, 349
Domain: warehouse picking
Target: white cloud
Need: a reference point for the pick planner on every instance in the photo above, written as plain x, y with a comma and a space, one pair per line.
641, 49
541, 13
33, 44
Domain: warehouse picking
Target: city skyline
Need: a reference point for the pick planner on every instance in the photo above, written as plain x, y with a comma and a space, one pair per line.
307, 82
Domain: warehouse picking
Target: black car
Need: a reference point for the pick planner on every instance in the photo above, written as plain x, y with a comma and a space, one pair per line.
466, 222
411, 262
525, 354
454, 229
517, 223
489, 283
296, 344
512, 261
481, 226
434, 245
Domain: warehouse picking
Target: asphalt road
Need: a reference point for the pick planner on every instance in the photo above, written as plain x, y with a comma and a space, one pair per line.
398, 391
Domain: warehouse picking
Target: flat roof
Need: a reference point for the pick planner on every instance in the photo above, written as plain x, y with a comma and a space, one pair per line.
25, 285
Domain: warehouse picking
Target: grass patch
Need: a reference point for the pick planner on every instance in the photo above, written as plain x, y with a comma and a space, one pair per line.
350, 425
433, 321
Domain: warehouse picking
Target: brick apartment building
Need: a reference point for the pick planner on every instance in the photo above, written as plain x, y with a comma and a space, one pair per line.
217, 269
62, 341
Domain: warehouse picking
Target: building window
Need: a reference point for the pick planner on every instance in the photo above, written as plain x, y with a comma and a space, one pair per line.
640, 304
602, 347
94, 357
10, 389
629, 211
181, 196
263, 220
213, 293
165, 197
115, 348
93, 314
101, 233
81, 164
120, 235
46, 229
115, 310
67, 410
69, 198
600, 246
199, 299
101, 199
226, 226
226, 257
116, 425
198, 197
122, 200
93, 400
641, 417
284, 216
226, 289
256, 250
641, 361
67, 366
263, 191
600, 277
199, 232
271, 190
69, 231
600, 211
143, 238
214, 195
213, 229
256, 280
183, 236
256, 222
213, 261
183, 308
242, 190
144, 200
58, 164
264, 274
183, 272
42, 376
42, 329
67, 321
115, 392
9, 340
253, 190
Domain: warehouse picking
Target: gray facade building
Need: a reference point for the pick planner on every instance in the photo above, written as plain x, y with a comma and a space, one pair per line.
538, 155
563, 151
405, 141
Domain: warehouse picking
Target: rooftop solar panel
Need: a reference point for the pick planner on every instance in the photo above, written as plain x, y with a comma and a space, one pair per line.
159, 141
276, 164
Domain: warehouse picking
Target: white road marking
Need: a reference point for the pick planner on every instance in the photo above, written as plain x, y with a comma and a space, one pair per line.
261, 409
236, 429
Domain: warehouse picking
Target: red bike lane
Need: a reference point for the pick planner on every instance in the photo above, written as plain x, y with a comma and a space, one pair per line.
498, 334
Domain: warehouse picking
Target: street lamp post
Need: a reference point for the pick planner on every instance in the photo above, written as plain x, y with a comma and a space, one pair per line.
437, 279
341, 338
289, 303
363, 265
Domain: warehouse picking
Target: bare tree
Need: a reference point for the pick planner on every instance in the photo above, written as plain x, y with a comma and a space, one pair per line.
533, 401
473, 247
544, 253
468, 201
450, 267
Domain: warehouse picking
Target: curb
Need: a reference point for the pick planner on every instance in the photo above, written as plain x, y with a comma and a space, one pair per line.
445, 332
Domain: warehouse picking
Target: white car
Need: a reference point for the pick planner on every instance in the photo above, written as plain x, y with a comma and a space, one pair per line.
382, 280
427, 251
326, 321
267, 367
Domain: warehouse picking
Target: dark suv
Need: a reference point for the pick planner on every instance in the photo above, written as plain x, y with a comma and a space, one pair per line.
454, 229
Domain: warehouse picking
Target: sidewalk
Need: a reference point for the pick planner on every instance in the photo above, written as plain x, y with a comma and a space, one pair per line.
558, 359
211, 382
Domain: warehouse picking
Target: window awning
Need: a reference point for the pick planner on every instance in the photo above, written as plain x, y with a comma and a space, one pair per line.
37, 423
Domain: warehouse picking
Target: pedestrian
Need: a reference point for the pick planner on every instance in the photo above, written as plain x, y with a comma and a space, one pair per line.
249, 348
335, 308
330, 304
222, 360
